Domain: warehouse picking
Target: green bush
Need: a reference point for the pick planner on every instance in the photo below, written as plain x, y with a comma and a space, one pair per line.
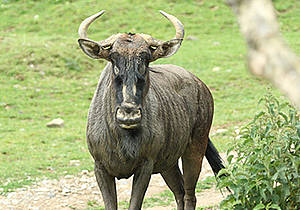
263, 164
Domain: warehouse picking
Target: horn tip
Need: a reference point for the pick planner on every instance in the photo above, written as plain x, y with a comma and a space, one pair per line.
98, 14
101, 12
163, 13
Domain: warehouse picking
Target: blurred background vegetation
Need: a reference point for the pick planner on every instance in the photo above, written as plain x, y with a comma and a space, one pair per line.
44, 75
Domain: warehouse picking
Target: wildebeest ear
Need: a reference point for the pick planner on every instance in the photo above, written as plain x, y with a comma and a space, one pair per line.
93, 49
166, 49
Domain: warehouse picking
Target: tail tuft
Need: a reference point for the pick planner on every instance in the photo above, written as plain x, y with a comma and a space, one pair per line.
213, 158
215, 161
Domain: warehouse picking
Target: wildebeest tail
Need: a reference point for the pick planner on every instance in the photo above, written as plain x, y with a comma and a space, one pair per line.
213, 157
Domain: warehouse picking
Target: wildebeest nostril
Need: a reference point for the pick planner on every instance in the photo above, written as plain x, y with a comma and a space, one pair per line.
129, 107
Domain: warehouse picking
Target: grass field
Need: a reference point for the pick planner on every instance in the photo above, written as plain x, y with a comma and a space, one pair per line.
44, 75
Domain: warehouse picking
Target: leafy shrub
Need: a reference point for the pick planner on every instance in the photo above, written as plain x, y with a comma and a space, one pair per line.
263, 173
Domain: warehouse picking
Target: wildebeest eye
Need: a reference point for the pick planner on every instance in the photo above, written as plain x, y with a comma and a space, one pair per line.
152, 48
116, 70
108, 47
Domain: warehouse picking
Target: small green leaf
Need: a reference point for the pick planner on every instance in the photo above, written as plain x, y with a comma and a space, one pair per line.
229, 158
298, 129
258, 115
259, 206
275, 206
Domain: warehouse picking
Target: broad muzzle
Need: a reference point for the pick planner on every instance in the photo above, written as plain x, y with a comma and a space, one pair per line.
129, 116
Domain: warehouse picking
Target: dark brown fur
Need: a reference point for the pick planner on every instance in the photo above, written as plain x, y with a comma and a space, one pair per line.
178, 111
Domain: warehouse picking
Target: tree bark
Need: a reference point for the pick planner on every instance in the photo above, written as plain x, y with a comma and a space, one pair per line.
268, 55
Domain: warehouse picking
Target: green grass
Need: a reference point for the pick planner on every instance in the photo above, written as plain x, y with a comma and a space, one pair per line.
44, 74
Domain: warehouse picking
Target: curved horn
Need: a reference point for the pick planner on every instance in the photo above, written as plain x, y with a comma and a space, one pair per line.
177, 24
168, 48
82, 31
92, 48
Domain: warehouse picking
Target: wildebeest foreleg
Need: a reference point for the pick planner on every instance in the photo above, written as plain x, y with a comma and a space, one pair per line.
107, 186
140, 183
174, 180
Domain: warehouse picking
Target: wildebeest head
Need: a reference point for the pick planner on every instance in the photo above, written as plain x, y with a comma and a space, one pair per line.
130, 55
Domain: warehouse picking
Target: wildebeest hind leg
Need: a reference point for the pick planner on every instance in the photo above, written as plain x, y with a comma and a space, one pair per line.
192, 163
174, 180
107, 186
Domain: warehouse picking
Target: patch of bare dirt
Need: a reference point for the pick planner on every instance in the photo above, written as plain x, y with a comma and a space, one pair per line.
75, 192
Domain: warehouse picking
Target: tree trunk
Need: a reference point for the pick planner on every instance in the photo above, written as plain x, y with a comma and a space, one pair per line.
268, 55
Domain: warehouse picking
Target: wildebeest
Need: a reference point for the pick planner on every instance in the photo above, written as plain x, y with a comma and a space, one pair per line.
143, 118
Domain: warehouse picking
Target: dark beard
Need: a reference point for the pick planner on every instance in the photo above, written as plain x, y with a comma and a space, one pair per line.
130, 142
